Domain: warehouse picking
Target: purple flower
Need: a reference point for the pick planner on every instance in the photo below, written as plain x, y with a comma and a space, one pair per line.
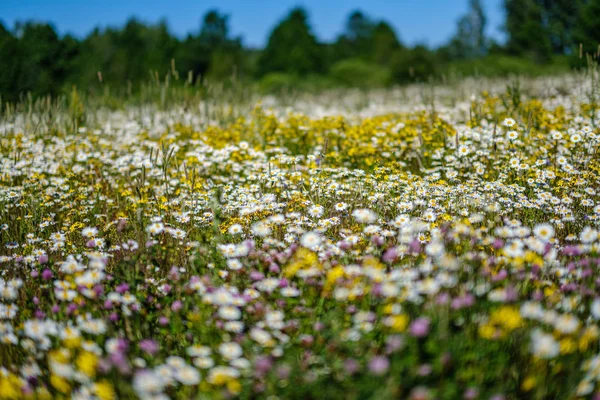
378, 240
122, 345
379, 365
502, 274
274, 268
307, 340
344, 245
149, 346
390, 255
468, 300
121, 224
572, 250
424, 370
415, 246
420, 327
46, 274
174, 274
119, 360
394, 343
177, 305
263, 365
122, 288
98, 290
442, 299
420, 393
470, 394
351, 366
510, 294
256, 276
43, 259
284, 371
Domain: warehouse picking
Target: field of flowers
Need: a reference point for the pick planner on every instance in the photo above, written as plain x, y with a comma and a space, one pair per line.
423, 243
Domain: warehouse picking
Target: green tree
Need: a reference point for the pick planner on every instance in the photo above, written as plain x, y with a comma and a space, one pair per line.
212, 53
373, 41
214, 31
43, 58
561, 18
470, 40
359, 34
130, 54
587, 30
292, 47
384, 43
527, 33
10, 65
410, 65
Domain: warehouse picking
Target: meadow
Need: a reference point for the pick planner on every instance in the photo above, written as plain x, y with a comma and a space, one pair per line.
437, 241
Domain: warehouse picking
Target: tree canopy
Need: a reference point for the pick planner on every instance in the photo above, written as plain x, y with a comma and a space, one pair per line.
368, 51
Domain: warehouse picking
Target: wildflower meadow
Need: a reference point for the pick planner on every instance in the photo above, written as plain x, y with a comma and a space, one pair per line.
437, 241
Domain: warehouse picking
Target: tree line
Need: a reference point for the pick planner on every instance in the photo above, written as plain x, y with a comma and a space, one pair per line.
35, 59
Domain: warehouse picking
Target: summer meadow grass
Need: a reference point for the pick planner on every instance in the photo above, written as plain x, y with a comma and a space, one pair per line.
433, 241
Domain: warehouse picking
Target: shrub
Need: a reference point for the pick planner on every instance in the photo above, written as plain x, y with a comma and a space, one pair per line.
359, 73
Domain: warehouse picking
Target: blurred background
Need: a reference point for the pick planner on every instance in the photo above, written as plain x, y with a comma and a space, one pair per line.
48, 47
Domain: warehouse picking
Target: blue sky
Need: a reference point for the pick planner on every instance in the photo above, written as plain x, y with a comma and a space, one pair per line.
416, 21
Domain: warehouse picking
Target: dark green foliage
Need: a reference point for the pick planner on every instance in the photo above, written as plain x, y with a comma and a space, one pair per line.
587, 30
366, 39
470, 40
413, 65
292, 47
34, 59
9, 70
359, 73
384, 44
505, 65
527, 34
562, 18
541, 34
277, 82
213, 53
125, 57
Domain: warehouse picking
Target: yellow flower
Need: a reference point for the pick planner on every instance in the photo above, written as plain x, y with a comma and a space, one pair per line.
61, 356
60, 384
43, 393
10, 387
302, 259
529, 383
333, 275
219, 379
104, 390
86, 362
72, 342
567, 346
398, 322
508, 317
589, 336
489, 331
234, 386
